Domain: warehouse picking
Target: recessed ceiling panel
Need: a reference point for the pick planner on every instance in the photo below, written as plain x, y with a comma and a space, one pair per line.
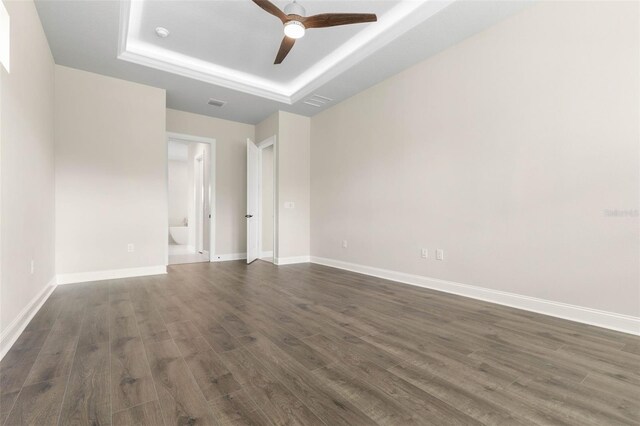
94, 36
233, 43
240, 35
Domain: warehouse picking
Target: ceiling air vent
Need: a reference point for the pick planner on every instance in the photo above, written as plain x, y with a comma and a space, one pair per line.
216, 102
317, 101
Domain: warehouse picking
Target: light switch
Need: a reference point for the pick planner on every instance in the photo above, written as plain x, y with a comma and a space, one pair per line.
439, 254
289, 205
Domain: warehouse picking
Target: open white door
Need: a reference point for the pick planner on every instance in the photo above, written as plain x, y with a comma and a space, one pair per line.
253, 180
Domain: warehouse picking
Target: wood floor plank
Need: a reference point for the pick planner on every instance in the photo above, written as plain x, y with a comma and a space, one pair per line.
95, 326
49, 366
272, 397
238, 409
38, 404
383, 409
87, 399
230, 343
212, 376
14, 372
180, 398
6, 404
131, 381
326, 403
147, 414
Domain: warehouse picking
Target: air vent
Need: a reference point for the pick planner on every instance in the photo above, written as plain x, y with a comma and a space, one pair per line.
317, 101
216, 102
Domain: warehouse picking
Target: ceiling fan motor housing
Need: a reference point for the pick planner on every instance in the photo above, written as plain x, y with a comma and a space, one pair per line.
294, 8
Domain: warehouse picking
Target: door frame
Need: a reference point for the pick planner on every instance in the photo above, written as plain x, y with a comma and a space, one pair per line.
201, 196
181, 137
270, 141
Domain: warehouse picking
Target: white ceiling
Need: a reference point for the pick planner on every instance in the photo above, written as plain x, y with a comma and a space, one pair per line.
225, 49
241, 36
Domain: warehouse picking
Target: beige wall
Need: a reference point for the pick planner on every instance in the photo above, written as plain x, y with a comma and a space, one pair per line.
111, 182
293, 140
267, 199
505, 151
231, 173
294, 143
267, 128
27, 165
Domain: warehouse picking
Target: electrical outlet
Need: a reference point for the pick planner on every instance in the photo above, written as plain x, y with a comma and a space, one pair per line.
131, 248
289, 205
344, 244
32, 267
424, 253
439, 254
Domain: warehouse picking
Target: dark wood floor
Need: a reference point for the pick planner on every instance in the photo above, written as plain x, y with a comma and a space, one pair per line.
226, 343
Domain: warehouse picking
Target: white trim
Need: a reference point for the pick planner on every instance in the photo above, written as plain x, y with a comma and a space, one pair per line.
270, 141
228, 256
610, 320
265, 254
390, 26
173, 136
17, 326
291, 260
189, 138
112, 274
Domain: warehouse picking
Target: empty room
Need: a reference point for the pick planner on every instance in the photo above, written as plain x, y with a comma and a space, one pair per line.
345, 212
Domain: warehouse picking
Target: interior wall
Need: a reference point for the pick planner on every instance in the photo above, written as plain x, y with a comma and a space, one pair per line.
111, 181
293, 139
178, 192
26, 167
511, 151
231, 173
267, 199
294, 143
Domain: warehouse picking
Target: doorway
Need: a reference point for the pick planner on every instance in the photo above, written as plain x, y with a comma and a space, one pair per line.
190, 183
262, 200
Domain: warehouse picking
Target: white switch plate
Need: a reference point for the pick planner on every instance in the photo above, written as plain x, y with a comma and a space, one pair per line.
439, 254
33, 266
344, 244
289, 205
424, 253
131, 248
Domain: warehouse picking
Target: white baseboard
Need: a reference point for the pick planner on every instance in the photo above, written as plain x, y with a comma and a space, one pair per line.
111, 274
17, 326
291, 260
266, 254
229, 256
610, 320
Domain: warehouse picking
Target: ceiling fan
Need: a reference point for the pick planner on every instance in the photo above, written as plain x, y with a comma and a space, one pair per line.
295, 22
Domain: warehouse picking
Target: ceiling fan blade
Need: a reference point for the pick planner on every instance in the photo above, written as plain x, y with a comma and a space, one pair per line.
272, 9
285, 47
334, 19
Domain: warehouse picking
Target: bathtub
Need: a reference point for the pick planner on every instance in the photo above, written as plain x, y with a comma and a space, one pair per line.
180, 234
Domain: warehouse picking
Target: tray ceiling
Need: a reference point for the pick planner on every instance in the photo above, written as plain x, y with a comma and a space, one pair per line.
225, 49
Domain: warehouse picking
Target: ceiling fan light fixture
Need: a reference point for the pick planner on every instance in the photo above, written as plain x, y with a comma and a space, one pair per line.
294, 29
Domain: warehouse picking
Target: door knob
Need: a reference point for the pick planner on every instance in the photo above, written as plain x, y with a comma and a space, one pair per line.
248, 216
